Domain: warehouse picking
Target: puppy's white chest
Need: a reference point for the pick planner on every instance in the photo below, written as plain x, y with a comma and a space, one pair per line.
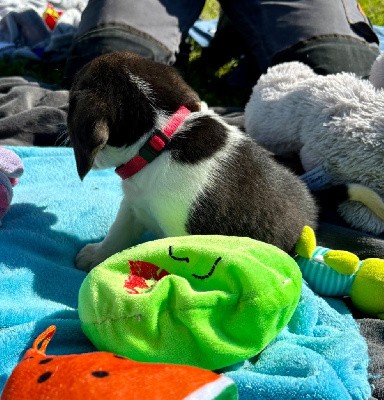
161, 194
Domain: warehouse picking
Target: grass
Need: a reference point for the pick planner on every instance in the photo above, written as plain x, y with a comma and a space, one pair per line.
211, 10
374, 9
48, 73
206, 87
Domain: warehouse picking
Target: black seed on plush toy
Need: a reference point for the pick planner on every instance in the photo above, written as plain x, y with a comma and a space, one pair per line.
45, 361
117, 356
100, 374
43, 377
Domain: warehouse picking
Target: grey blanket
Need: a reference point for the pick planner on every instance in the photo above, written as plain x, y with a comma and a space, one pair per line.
34, 114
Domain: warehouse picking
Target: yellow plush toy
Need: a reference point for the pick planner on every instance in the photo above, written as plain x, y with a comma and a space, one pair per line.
341, 273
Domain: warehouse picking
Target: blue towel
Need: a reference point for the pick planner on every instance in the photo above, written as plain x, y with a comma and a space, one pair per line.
379, 30
53, 214
320, 354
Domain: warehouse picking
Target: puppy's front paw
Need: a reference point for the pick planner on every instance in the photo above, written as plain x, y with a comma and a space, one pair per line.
88, 257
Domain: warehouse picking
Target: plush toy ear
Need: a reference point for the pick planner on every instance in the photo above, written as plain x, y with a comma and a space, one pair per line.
41, 342
306, 244
343, 262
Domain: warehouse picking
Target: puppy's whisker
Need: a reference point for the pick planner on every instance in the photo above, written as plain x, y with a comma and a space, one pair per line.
63, 139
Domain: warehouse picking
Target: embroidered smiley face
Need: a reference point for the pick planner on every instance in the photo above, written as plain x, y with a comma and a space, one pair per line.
144, 275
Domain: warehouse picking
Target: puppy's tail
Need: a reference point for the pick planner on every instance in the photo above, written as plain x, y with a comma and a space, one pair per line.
351, 191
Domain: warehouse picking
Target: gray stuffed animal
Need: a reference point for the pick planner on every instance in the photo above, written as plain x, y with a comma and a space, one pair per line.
336, 125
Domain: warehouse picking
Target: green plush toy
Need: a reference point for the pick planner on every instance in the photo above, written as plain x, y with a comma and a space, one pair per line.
206, 301
341, 273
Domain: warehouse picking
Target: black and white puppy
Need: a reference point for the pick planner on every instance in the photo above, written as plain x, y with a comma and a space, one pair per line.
185, 171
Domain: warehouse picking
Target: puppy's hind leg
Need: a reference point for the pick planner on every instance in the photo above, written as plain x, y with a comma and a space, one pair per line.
123, 233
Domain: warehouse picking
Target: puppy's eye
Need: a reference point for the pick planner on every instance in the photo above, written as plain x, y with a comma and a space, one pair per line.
186, 259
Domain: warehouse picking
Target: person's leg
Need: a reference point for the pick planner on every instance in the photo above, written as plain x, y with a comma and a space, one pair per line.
151, 28
328, 35
330, 56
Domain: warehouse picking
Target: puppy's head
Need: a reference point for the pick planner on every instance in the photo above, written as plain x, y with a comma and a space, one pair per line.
115, 100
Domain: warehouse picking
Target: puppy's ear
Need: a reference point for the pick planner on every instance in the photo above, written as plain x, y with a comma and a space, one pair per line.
187, 97
168, 86
184, 95
87, 127
85, 152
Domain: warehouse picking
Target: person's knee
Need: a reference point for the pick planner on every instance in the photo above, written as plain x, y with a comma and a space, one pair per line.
109, 39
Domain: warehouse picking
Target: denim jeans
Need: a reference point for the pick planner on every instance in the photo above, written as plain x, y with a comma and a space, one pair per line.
274, 31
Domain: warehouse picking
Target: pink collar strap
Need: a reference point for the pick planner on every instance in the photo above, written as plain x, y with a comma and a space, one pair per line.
153, 146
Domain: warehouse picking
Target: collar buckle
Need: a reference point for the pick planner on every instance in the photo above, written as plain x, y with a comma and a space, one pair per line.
153, 146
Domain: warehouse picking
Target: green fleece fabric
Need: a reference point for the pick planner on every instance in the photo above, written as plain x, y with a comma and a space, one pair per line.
207, 301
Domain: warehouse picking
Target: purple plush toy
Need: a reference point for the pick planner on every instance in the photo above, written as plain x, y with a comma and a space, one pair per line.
11, 168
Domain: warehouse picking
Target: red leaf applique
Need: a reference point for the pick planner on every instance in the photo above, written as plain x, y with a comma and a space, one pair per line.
141, 273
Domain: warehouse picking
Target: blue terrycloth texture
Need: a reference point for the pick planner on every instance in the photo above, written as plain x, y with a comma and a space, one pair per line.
53, 214
320, 355
379, 30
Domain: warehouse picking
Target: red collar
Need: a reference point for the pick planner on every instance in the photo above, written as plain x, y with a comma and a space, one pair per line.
153, 146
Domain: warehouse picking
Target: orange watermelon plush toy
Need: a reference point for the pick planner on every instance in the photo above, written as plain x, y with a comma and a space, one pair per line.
103, 375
